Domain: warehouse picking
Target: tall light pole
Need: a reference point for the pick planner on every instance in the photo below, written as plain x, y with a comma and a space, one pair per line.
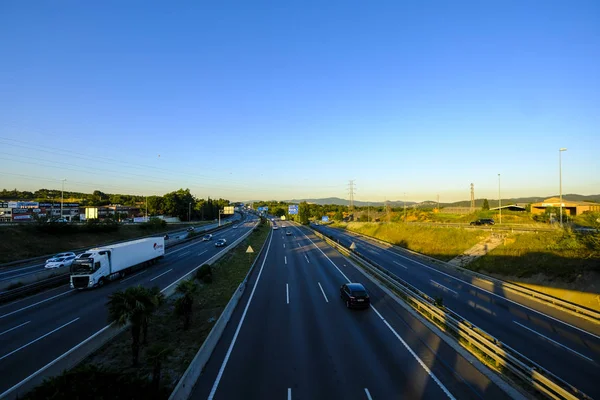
190, 212
499, 199
560, 181
62, 196
146, 219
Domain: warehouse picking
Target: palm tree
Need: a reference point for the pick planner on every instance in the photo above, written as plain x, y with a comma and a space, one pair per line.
183, 305
156, 300
134, 305
157, 354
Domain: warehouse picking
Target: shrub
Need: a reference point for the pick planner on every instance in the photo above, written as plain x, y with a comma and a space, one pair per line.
153, 224
204, 273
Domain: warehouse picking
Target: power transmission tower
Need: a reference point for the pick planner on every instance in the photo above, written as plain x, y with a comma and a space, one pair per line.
472, 198
351, 192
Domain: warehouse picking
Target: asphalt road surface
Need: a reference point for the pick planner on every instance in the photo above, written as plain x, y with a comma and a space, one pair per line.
566, 345
292, 337
12, 273
36, 330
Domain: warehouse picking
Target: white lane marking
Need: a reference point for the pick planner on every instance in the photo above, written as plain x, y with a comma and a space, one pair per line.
492, 293
21, 269
289, 393
287, 293
285, 259
306, 259
158, 276
12, 329
403, 266
374, 251
184, 254
431, 374
299, 243
38, 339
284, 245
554, 341
442, 286
416, 357
51, 363
132, 276
35, 304
322, 291
237, 331
368, 394
199, 254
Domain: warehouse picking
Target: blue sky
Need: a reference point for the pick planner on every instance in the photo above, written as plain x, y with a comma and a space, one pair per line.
280, 100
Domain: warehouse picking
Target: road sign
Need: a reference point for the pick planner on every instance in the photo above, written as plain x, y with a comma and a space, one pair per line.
353, 246
293, 209
228, 210
249, 250
325, 218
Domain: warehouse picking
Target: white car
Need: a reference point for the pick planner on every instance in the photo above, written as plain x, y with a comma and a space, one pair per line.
61, 255
275, 227
59, 262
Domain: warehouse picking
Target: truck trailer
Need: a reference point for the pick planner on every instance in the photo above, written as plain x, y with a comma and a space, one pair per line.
99, 265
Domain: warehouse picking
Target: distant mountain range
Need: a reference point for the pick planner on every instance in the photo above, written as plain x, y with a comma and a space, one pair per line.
431, 203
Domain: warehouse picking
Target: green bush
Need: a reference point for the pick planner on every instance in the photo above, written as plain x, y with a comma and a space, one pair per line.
204, 273
154, 224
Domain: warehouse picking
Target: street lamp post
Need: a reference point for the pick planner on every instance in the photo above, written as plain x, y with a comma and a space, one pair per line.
499, 199
62, 196
190, 212
560, 181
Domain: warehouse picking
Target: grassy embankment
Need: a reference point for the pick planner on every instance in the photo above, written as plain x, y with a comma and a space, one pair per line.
441, 243
166, 329
27, 241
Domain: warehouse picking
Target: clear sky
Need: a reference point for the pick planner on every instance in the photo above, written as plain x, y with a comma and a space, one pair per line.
292, 99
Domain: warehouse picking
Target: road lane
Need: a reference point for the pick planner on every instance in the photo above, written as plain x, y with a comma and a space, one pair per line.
564, 350
47, 312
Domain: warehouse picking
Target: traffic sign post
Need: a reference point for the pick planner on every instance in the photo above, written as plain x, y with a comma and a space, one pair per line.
249, 251
293, 209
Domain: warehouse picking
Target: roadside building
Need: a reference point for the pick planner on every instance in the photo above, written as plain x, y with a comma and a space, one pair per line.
571, 208
102, 212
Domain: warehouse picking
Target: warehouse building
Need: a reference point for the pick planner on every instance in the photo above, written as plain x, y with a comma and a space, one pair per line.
571, 208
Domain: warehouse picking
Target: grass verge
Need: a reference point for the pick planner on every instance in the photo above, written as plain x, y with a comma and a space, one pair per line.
27, 241
166, 329
441, 243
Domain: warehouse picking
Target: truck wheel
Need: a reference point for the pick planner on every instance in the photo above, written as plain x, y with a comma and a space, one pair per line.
101, 282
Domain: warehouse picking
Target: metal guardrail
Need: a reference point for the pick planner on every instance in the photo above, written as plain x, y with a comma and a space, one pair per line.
576, 309
504, 356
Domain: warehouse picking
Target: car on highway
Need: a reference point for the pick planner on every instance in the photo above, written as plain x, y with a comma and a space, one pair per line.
191, 229
60, 262
275, 227
355, 295
483, 221
61, 255
207, 237
234, 227
166, 237
221, 243
288, 233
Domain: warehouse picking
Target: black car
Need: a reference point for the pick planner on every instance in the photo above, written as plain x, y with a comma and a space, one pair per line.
483, 221
288, 233
207, 237
221, 243
355, 295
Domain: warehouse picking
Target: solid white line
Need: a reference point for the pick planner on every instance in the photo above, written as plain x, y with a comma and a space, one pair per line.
322, 291
12, 329
158, 276
493, 294
416, 357
554, 341
306, 259
285, 259
199, 254
368, 394
403, 266
132, 276
35, 304
440, 285
35, 340
289, 393
237, 331
287, 293
51, 363
183, 254
431, 374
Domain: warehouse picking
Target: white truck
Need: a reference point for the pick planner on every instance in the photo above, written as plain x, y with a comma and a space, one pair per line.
99, 265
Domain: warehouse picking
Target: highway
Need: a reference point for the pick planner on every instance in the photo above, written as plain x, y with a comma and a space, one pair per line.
291, 337
12, 273
36, 330
566, 345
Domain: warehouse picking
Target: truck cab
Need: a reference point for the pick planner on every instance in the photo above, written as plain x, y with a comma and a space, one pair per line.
89, 269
